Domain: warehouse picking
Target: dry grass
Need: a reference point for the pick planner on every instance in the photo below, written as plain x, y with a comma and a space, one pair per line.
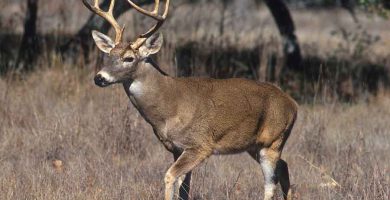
63, 138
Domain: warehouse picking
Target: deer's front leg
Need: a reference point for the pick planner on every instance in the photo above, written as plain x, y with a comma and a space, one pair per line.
183, 182
187, 161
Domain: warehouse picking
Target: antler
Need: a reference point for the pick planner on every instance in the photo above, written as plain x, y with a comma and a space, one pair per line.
108, 15
154, 14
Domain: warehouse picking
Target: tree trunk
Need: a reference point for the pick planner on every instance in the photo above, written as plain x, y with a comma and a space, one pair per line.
386, 4
29, 47
82, 42
284, 21
350, 5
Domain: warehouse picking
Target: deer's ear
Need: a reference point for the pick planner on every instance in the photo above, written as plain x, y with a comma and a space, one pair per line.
152, 45
103, 42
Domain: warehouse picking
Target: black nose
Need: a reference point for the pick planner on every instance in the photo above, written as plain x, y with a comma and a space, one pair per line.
100, 81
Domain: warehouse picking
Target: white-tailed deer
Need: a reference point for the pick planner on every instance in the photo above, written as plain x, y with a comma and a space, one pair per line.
195, 118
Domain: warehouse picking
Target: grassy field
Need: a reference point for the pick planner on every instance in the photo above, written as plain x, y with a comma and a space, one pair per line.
61, 137
64, 138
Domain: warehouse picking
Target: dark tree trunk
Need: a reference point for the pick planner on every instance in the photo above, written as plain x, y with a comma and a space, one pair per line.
284, 21
82, 42
350, 5
29, 47
386, 4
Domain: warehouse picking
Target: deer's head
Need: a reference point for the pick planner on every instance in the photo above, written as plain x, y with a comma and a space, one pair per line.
123, 58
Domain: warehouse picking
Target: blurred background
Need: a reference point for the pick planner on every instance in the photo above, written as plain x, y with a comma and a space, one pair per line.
63, 138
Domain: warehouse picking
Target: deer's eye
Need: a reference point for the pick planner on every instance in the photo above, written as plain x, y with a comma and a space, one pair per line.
128, 59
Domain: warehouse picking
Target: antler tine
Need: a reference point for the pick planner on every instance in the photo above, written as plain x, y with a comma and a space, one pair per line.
154, 14
107, 16
111, 8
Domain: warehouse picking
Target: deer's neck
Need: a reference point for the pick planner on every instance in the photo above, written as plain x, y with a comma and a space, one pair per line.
149, 90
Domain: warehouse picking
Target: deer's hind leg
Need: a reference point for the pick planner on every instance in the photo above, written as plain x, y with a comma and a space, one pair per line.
284, 179
187, 161
268, 161
274, 170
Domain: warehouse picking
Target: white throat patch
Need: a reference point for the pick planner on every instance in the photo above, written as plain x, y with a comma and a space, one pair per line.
136, 88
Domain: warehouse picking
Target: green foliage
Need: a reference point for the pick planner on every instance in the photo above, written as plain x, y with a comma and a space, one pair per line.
380, 7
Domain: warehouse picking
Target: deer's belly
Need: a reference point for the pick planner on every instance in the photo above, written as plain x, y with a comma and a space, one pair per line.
234, 143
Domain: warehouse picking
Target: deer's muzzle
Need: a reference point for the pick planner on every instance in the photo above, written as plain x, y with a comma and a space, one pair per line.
100, 81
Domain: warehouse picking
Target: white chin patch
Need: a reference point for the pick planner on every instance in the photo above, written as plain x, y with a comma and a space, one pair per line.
107, 76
